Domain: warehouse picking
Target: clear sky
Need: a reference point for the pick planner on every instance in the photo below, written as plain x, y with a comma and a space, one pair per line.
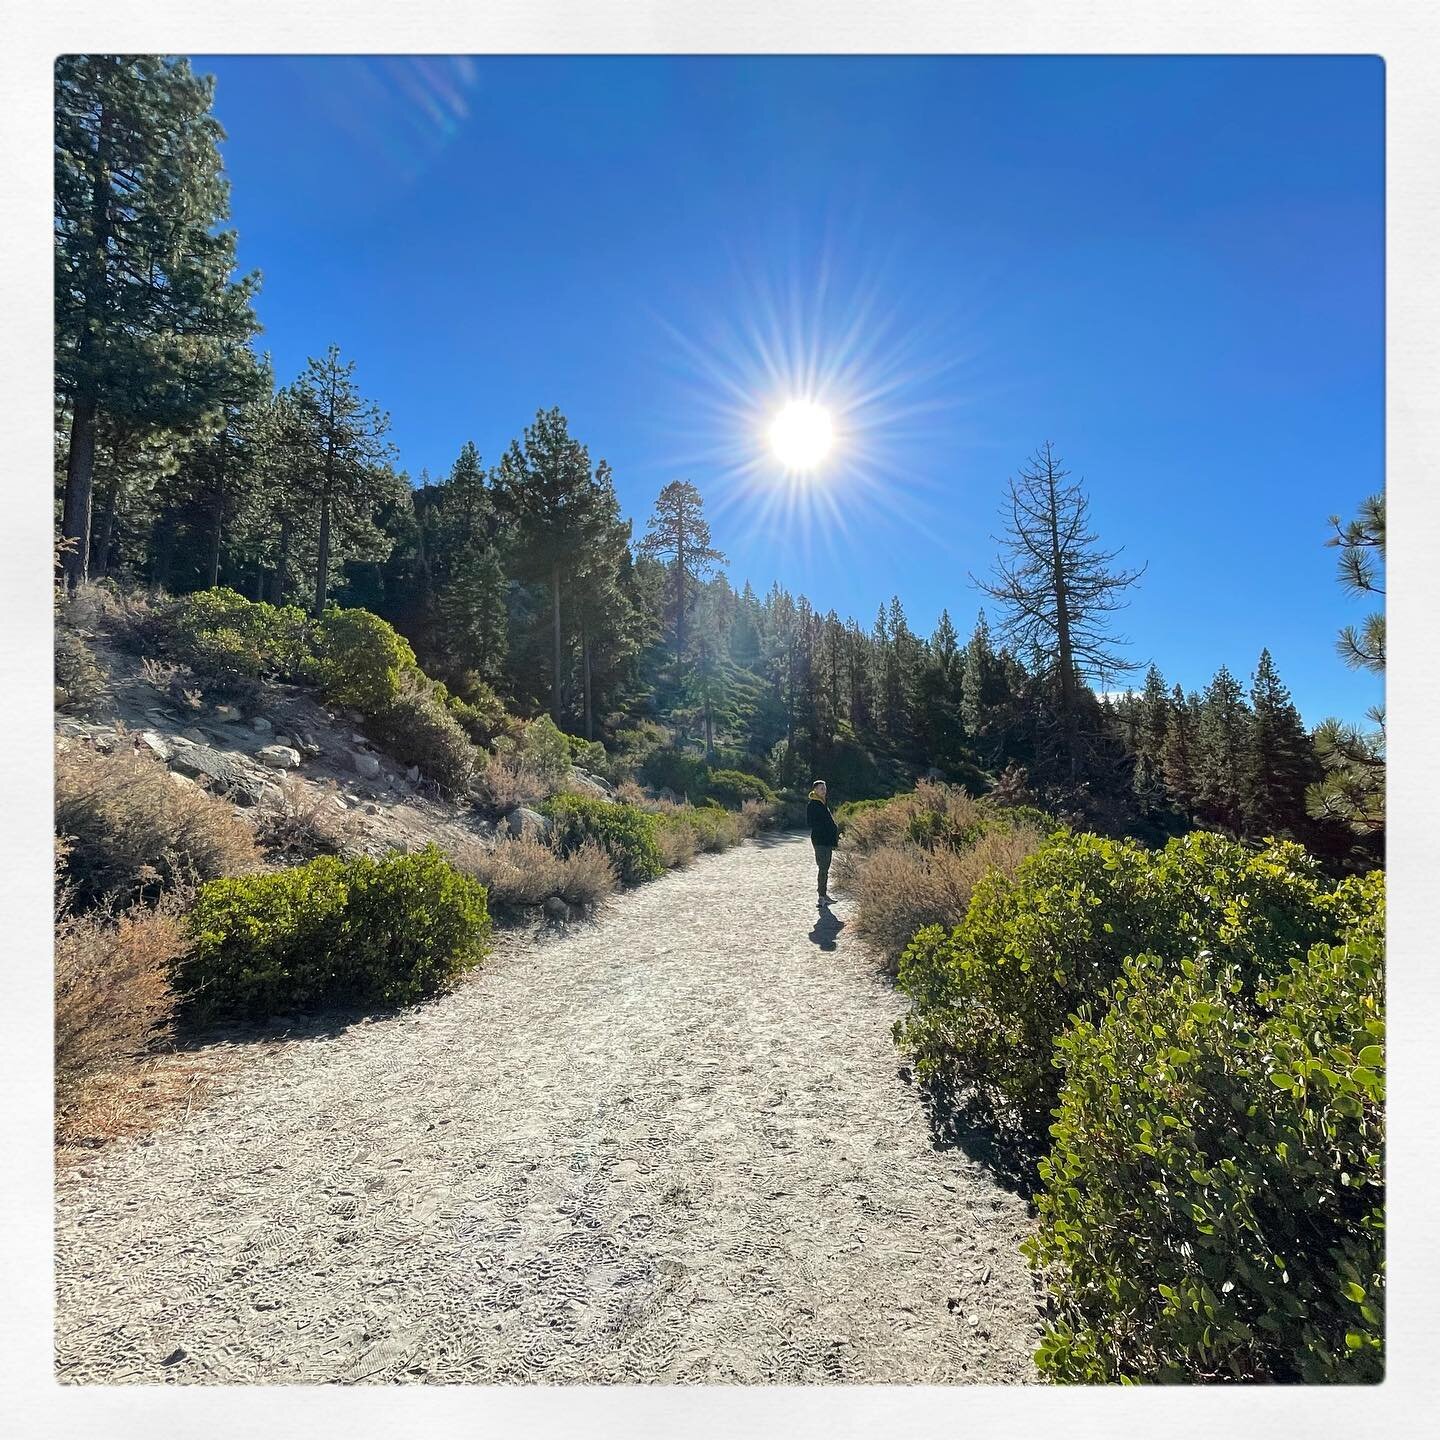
1170, 267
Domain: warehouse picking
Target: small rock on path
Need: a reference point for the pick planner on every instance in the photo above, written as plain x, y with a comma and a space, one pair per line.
668, 1146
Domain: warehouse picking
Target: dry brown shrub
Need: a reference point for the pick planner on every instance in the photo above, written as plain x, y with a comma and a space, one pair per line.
931, 813
113, 1000
753, 817
901, 888
524, 870
627, 792
587, 875
132, 832
306, 821
677, 845
503, 783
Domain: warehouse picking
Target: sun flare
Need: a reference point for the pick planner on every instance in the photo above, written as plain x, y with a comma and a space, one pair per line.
801, 435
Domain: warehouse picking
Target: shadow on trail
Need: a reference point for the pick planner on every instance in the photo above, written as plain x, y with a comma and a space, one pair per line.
827, 927
962, 1121
769, 839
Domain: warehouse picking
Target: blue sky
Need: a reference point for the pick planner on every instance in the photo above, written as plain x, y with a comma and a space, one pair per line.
1170, 267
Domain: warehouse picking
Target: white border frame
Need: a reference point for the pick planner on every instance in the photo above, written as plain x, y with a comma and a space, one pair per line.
1403, 32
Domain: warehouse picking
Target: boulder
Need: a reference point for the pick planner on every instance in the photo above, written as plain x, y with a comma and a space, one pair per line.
356, 738
230, 714
366, 765
226, 774
279, 757
155, 744
413, 774
523, 821
585, 784
261, 726
556, 909
196, 737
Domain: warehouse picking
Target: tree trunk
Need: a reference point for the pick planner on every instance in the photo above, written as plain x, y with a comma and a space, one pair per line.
680, 597
555, 606
79, 489
80, 464
1062, 624
282, 567
215, 549
322, 569
585, 652
101, 563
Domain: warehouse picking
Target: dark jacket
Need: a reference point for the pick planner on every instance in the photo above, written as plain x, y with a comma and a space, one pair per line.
823, 830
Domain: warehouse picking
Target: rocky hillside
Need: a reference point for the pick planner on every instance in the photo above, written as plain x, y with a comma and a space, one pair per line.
287, 748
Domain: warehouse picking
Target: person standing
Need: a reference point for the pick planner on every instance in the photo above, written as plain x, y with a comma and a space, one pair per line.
824, 834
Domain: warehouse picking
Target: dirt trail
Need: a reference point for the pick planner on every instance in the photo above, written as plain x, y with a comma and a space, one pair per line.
669, 1146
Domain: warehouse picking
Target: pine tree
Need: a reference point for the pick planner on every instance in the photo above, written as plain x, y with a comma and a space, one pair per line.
1058, 588
147, 316
1278, 761
1177, 756
678, 535
1152, 715
544, 489
984, 695
344, 446
474, 614
1221, 743
1351, 789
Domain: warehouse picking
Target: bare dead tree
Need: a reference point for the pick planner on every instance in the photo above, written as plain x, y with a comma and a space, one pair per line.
1057, 586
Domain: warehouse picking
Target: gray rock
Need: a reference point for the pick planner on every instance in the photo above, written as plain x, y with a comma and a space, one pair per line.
230, 714
261, 726
226, 774
279, 757
154, 743
556, 909
196, 737
586, 784
522, 820
358, 739
183, 782
413, 773
366, 765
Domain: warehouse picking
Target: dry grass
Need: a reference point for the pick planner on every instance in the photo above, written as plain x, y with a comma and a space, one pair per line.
901, 888
503, 783
932, 814
308, 821
131, 831
677, 845
113, 1004
526, 871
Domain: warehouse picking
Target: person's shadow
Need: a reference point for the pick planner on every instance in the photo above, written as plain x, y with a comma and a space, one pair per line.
827, 927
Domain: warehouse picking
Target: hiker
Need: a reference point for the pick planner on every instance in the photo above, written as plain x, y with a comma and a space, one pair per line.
824, 834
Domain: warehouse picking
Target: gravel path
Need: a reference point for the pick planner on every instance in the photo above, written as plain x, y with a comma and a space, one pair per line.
669, 1146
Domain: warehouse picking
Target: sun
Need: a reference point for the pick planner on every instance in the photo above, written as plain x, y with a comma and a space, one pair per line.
801, 435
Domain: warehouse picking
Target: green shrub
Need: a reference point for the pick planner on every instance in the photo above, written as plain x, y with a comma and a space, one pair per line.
332, 932
360, 660
544, 750
990, 997
587, 754
417, 730
676, 771
229, 640
732, 788
1213, 1208
626, 833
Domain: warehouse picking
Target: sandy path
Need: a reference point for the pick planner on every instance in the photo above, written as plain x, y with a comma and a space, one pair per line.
670, 1146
